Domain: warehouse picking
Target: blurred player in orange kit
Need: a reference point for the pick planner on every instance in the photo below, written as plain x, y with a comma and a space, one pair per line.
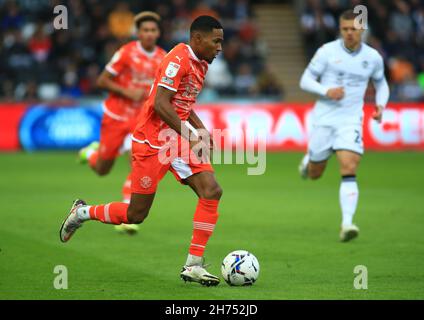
128, 77
169, 107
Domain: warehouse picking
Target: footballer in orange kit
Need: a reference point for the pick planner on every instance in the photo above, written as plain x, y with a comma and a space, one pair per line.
178, 81
128, 78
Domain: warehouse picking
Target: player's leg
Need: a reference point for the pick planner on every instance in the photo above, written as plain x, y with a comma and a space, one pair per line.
130, 229
205, 217
139, 207
316, 169
126, 189
147, 172
349, 192
201, 179
314, 162
101, 156
349, 149
101, 164
111, 213
126, 149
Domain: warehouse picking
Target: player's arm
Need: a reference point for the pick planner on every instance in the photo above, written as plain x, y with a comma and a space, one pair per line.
197, 123
169, 80
105, 81
117, 65
382, 91
165, 110
309, 80
382, 94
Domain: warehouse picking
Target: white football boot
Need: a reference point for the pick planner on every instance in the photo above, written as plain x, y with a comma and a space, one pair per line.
72, 222
303, 167
348, 233
200, 275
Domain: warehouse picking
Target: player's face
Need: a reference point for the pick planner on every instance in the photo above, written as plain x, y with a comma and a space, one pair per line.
211, 44
351, 35
148, 33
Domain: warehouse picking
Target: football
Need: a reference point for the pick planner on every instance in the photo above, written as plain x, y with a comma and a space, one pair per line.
240, 268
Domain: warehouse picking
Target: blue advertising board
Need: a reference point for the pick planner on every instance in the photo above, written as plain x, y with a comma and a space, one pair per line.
53, 128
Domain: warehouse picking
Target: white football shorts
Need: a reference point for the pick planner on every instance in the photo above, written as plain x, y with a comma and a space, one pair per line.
325, 140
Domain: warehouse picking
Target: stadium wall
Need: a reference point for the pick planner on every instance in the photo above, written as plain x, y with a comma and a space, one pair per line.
286, 125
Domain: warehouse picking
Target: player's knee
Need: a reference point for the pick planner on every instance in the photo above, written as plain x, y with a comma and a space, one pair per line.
137, 215
213, 192
103, 169
315, 174
104, 166
349, 168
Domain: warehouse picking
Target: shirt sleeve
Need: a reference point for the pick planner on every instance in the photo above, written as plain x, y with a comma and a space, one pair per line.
378, 73
172, 72
117, 63
318, 62
382, 94
309, 83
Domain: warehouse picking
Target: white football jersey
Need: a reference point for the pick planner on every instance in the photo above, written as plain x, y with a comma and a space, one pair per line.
337, 66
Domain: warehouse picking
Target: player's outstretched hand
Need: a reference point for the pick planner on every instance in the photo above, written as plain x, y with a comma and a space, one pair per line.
378, 114
335, 93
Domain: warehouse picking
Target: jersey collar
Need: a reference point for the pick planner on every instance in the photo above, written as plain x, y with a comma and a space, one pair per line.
353, 53
192, 53
144, 51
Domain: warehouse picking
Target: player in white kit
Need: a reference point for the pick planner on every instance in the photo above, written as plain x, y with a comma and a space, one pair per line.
339, 73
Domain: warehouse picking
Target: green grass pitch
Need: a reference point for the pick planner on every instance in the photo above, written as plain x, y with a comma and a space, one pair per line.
290, 225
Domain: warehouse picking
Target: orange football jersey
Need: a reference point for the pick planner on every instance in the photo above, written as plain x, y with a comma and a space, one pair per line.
133, 67
182, 72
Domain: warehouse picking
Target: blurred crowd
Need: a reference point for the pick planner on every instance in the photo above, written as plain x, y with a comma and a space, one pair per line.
395, 29
42, 63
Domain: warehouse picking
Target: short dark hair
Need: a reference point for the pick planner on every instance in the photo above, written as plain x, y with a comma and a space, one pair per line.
205, 24
146, 16
349, 15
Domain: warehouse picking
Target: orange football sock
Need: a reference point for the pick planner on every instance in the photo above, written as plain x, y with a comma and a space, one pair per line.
126, 190
204, 222
112, 213
92, 160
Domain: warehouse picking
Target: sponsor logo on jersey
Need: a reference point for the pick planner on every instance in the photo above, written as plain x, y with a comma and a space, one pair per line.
364, 64
167, 81
172, 69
